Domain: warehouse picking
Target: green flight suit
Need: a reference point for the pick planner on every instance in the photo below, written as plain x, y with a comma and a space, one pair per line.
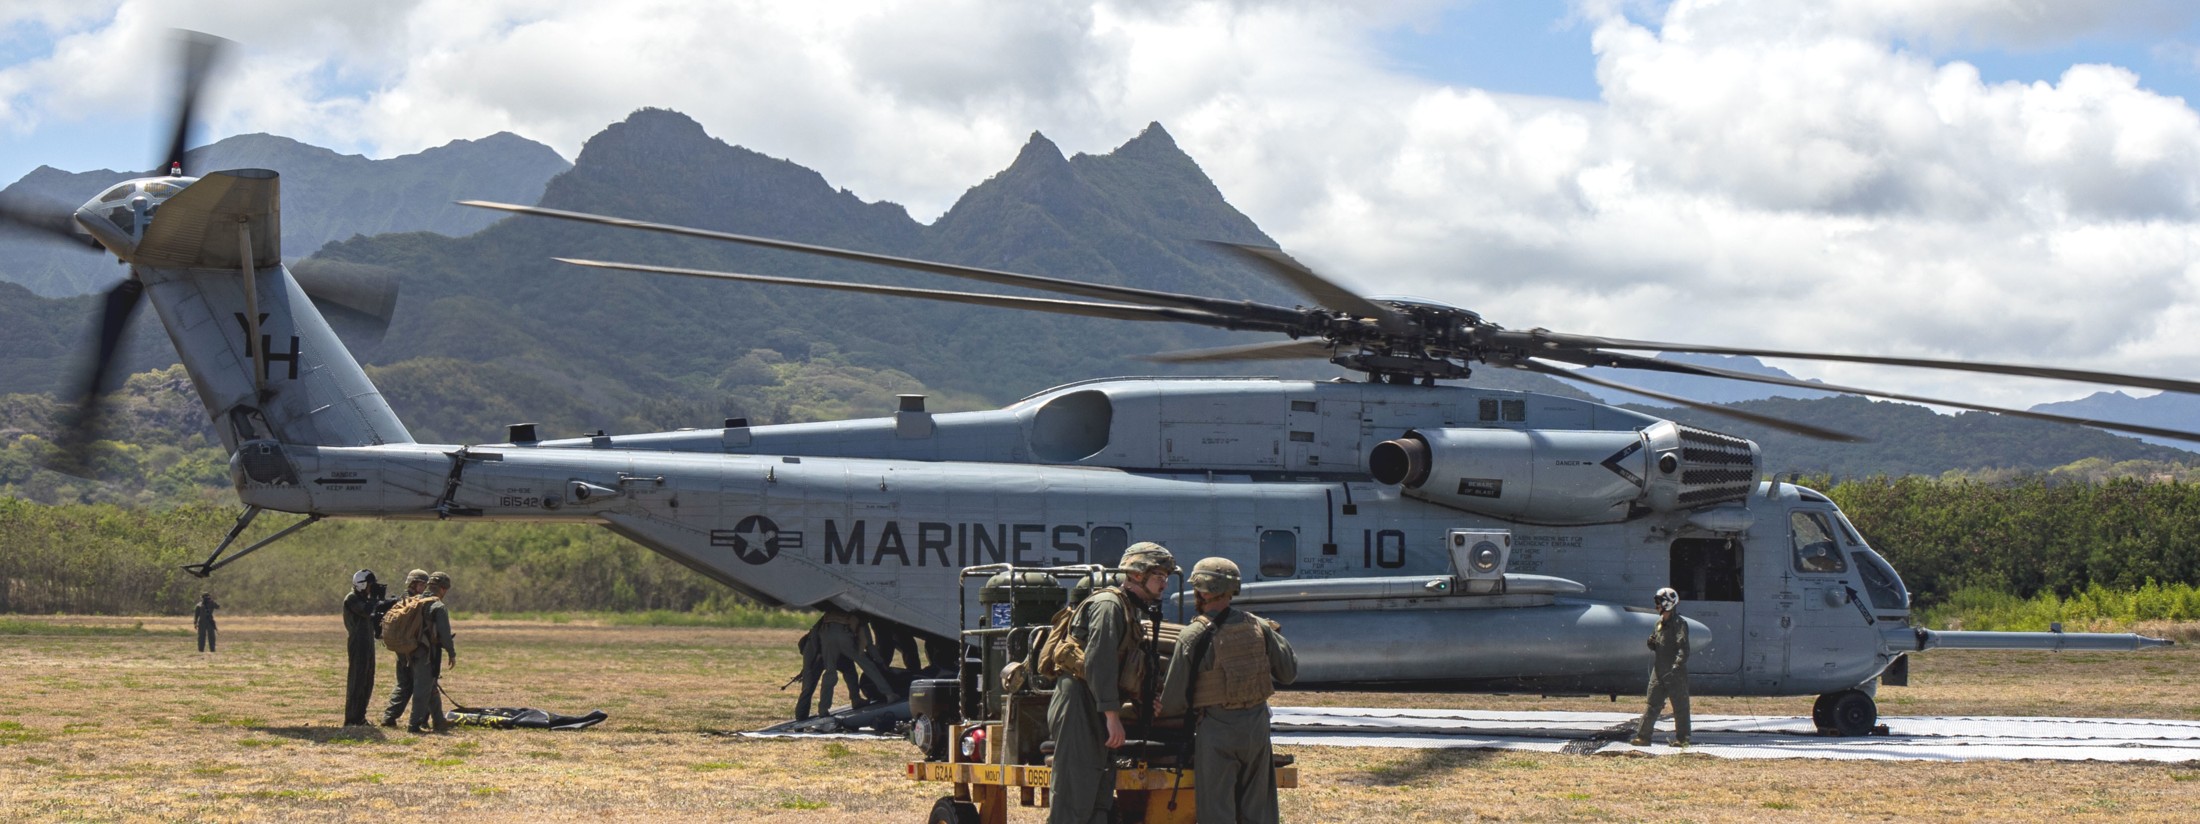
202, 617
427, 669
1668, 678
1083, 784
359, 644
1233, 757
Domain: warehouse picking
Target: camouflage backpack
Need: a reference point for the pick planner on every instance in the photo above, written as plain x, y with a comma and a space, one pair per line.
401, 628
1062, 653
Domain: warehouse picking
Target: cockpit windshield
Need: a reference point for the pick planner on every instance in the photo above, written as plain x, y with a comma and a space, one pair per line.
1815, 550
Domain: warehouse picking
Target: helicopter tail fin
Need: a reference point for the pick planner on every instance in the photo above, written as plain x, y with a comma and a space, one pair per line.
264, 359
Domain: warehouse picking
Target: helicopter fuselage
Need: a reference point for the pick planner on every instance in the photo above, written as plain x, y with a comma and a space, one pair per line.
879, 515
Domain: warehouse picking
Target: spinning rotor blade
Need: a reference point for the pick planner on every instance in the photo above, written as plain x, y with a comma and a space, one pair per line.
1215, 306
2082, 375
199, 51
1113, 311
358, 299
1326, 294
80, 430
1275, 350
44, 220
1636, 362
1792, 427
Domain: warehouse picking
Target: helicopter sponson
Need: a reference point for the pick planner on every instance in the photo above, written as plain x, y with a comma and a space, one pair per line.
1569, 477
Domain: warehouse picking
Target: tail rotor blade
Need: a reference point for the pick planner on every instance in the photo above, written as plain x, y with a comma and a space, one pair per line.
199, 51
43, 220
117, 306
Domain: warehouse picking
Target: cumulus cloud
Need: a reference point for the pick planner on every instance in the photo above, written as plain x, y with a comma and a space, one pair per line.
1808, 174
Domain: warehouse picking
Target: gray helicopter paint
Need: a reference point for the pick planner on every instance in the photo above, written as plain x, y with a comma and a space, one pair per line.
888, 538
879, 515
315, 391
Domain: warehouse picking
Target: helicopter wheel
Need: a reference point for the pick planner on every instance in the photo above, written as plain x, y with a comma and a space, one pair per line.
1850, 713
1821, 712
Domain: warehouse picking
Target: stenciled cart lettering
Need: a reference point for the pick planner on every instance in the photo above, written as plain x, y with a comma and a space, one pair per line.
863, 542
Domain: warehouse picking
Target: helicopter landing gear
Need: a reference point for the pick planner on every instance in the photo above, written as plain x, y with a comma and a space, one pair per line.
1847, 713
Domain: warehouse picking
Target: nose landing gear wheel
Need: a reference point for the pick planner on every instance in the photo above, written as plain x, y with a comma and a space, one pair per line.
1847, 713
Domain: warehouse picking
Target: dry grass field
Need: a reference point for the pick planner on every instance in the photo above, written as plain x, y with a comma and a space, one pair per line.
132, 724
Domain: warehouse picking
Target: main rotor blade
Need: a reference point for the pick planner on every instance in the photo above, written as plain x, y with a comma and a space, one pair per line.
198, 52
1324, 293
1783, 425
358, 299
45, 220
1272, 350
1620, 361
2057, 373
1217, 306
1112, 311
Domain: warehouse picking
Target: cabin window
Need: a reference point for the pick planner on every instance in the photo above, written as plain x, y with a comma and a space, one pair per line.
1815, 550
1707, 569
1486, 409
1279, 553
1108, 543
1514, 410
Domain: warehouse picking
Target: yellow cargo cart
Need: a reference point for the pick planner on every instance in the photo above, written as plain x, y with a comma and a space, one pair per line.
984, 736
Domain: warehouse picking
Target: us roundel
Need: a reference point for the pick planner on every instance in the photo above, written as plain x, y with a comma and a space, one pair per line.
756, 539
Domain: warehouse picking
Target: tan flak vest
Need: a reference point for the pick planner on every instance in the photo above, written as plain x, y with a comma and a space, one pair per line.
1240, 676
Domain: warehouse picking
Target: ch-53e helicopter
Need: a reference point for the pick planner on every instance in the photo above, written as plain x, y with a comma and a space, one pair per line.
1410, 534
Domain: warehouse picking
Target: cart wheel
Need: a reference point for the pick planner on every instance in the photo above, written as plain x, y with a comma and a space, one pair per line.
949, 811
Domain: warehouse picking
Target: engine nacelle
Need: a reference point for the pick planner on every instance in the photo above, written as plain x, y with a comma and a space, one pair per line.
1547, 476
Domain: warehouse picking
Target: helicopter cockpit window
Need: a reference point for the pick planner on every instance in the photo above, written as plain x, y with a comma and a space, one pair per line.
1885, 588
1848, 531
1108, 543
1815, 550
117, 193
1279, 553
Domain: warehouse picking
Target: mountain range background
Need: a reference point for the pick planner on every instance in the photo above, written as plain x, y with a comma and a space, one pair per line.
489, 331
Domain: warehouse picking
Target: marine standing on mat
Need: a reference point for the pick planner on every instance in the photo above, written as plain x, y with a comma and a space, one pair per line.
1669, 672
1225, 666
427, 666
416, 582
202, 617
1085, 717
839, 643
359, 647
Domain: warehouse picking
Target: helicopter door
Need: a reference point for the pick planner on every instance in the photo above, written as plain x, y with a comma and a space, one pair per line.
1707, 572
